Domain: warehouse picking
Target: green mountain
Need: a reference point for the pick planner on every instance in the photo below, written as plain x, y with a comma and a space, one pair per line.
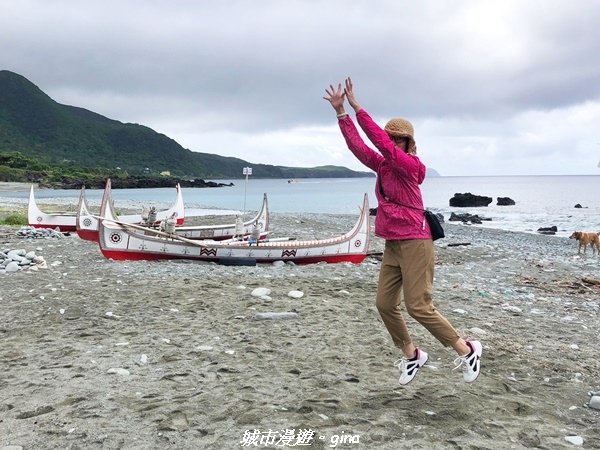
36, 126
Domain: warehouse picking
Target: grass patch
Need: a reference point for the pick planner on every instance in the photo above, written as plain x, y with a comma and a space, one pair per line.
14, 219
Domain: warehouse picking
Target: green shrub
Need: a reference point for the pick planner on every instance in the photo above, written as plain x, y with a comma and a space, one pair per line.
14, 219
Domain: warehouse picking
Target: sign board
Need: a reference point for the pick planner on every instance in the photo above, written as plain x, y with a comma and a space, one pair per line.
247, 171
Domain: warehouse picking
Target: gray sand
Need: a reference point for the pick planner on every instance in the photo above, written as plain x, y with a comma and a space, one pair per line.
97, 354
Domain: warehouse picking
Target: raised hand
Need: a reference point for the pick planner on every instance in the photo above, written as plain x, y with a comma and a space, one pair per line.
349, 91
335, 96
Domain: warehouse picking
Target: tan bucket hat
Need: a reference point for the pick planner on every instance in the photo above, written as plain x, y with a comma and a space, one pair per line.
399, 127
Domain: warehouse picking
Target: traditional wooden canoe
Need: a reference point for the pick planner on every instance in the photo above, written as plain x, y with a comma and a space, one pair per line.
70, 221
86, 223
228, 231
65, 221
121, 241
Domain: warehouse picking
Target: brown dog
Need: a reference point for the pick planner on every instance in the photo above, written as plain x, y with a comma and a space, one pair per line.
586, 238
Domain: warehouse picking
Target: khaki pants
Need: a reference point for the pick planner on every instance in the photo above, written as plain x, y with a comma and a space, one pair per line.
407, 268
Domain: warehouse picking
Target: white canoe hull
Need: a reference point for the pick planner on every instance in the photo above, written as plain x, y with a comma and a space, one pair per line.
86, 223
38, 219
120, 241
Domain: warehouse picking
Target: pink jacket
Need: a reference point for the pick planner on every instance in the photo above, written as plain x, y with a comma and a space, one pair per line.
400, 175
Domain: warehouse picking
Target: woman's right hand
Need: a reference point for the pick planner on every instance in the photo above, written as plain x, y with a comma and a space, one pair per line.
349, 91
335, 96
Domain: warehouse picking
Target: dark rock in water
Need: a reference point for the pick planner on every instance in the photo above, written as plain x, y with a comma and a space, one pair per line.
466, 217
469, 200
505, 201
578, 205
548, 230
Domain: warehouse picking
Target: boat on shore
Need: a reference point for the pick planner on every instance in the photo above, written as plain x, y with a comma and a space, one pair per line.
221, 232
86, 223
36, 218
122, 241
83, 222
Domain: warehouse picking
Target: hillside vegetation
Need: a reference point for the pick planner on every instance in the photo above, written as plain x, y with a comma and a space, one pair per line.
59, 137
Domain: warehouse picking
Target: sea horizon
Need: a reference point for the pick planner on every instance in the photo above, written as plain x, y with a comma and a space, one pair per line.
541, 200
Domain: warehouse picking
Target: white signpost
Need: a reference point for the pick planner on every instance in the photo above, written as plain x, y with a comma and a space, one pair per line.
247, 171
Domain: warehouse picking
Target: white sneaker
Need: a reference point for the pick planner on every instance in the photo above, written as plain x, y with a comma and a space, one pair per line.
409, 367
471, 363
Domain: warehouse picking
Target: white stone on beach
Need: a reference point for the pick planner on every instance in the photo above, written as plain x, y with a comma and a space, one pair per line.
594, 402
278, 264
275, 315
296, 294
575, 440
260, 292
12, 266
344, 291
204, 348
143, 359
118, 371
16, 255
459, 311
511, 308
574, 346
62, 311
477, 331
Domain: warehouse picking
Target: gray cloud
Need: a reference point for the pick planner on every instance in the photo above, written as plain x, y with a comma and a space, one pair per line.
239, 78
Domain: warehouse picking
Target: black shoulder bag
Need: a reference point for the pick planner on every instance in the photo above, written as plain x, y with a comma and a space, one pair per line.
437, 231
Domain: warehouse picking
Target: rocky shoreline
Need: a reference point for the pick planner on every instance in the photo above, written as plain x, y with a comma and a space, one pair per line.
132, 182
98, 354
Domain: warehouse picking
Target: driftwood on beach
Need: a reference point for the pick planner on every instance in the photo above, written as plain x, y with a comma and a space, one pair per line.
592, 281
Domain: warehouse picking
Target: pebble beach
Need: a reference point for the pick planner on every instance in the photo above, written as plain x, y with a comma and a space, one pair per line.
99, 354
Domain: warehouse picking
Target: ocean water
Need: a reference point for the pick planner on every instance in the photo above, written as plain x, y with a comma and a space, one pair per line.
541, 201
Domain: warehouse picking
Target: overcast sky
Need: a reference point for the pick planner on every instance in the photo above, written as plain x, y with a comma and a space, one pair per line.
499, 87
